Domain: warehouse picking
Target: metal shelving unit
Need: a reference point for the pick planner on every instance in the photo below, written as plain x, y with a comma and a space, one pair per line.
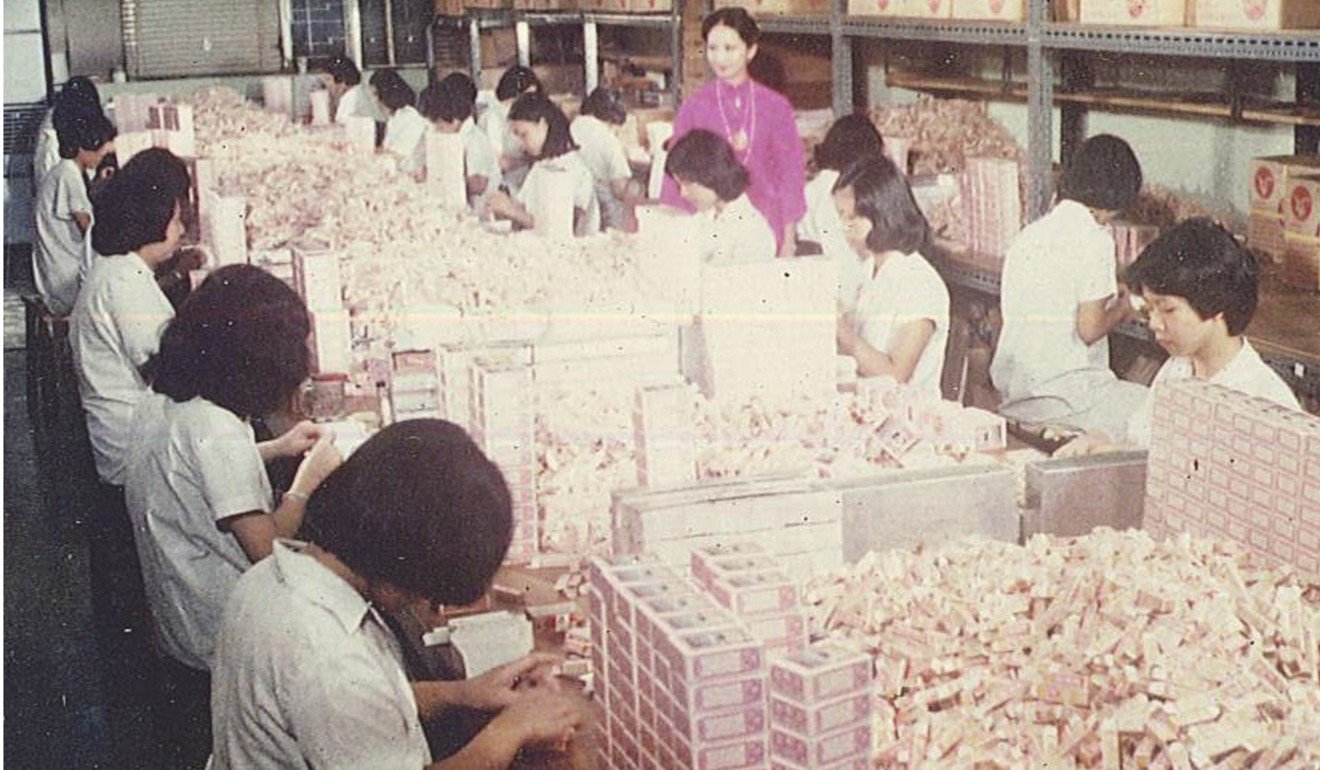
477, 20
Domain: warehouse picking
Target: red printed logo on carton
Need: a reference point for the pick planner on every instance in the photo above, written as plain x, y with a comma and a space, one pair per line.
1255, 9
1136, 8
1265, 182
1301, 203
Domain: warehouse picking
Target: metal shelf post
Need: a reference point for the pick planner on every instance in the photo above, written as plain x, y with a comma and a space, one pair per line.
1040, 114
841, 64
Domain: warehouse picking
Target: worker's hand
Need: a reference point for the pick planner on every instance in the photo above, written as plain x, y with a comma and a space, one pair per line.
505, 685
1087, 444
298, 439
845, 334
789, 247
499, 204
320, 462
543, 720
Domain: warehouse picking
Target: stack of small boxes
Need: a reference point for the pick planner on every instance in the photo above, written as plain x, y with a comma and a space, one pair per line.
172, 128
1227, 465
681, 684
502, 424
743, 579
993, 200
662, 429
1130, 240
1268, 195
414, 385
223, 226
317, 278
445, 175
820, 710
1301, 231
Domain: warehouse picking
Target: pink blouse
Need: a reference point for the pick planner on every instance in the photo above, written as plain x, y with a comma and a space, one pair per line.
773, 152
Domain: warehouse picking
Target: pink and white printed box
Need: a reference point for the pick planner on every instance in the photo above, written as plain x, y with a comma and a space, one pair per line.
856, 763
755, 593
820, 673
711, 654
848, 743
707, 570
821, 718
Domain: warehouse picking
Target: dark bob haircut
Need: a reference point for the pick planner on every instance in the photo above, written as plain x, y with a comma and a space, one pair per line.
850, 139
136, 206
736, 19
341, 69
535, 107
1203, 263
83, 131
417, 507
605, 104
448, 99
883, 196
702, 157
1104, 174
78, 98
392, 90
517, 81
239, 341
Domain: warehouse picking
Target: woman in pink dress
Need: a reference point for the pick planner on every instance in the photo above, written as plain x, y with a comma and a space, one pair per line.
756, 121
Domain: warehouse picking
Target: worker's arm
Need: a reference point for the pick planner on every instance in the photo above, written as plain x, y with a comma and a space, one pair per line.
256, 531
502, 206
1098, 317
542, 720
83, 220
899, 362
476, 185
788, 247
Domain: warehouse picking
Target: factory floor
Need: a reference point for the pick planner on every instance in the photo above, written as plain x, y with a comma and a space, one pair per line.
73, 697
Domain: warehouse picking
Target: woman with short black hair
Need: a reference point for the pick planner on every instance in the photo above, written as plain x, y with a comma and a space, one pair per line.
543, 131
405, 130
494, 120
196, 485
713, 182
900, 322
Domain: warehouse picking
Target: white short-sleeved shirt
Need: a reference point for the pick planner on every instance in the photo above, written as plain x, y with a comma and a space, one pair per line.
61, 255
478, 158
405, 136
355, 102
192, 465
115, 327
737, 235
905, 289
579, 182
495, 122
601, 149
46, 154
307, 674
821, 225
1246, 373
1058, 262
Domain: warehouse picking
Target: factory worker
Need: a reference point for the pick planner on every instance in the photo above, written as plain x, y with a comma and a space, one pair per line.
850, 139
196, 483
558, 168
448, 105
77, 99
344, 82
405, 130
62, 251
1060, 299
603, 153
899, 324
307, 671
1198, 287
714, 183
514, 83
757, 122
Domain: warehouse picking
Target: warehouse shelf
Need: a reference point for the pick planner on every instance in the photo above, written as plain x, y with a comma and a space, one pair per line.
1281, 46
795, 25
926, 30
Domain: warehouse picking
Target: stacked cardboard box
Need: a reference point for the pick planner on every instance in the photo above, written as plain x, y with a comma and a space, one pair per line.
455, 361
445, 175
745, 580
503, 425
224, 227
172, 128
797, 524
330, 341
277, 262
130, 143
201, 175
924, 9
775, 7
662, 431
1226, 465
820, 710
1146, 13
749, 309
1267, 194
316, 276
1256, 15
1301, 222
414, 385
681, 684
1130, 240
993, 200
132, 111
999, 10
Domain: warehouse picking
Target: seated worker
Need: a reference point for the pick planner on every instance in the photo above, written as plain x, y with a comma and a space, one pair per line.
197, 489
307, 672
713, 182
62, 253
405, 130
1199, 287
899, 322
514, 83
448, 104
852, 138
543, 131
1060, 299
78, 99
602, 151
344, 82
